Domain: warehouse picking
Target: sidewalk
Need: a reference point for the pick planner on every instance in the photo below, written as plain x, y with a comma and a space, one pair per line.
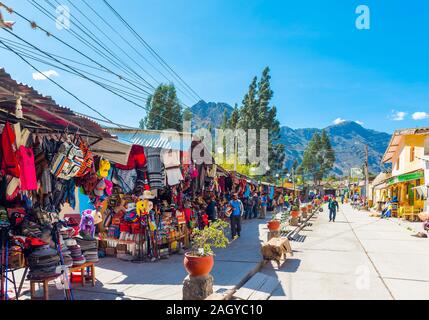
121, 280
357, 257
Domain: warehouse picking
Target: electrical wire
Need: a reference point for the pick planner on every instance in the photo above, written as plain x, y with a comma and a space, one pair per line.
126, 69
133, 48
84, 76
57, 84
150, 49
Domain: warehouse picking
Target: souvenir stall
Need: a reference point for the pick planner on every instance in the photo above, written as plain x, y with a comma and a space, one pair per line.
157, 198
44, 154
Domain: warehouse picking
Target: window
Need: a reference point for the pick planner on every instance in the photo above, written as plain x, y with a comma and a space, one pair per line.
412, 154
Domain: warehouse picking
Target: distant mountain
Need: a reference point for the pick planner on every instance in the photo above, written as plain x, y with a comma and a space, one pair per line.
348, 139
209, 112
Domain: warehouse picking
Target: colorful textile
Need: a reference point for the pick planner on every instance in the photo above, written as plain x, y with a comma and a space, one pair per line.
27, 168
9, 160
155, 168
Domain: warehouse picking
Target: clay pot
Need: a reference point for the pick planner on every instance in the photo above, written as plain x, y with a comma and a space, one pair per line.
294, 214
304, 209
198, 266
273, 225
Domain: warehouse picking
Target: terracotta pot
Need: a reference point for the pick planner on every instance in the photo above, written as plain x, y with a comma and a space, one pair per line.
273, 225
294, 214
304, 209
198, 266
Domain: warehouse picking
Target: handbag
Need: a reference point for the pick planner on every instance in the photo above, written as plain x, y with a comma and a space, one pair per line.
67, 161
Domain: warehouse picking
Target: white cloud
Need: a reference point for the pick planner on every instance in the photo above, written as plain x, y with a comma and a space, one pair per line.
398, 115
338, 121
359, 122
44, 75
420, 115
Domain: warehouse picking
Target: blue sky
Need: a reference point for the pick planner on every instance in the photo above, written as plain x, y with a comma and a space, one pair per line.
323, 67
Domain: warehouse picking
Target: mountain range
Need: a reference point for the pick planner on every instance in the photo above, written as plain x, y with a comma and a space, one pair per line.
347, 138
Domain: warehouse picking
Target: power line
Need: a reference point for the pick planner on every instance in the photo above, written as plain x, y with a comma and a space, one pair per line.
57, 84
38, 59
115, 93
150, 49
130, 45
36, 26
115, 60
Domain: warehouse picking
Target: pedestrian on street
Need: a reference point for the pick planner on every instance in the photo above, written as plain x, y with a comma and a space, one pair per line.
333, 207
211, 209
264, 204
247, 203
286, 202
255, 204
237, 212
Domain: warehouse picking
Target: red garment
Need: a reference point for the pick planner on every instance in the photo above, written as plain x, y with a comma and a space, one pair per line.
28, 169
188, 213
136, 159
9, 160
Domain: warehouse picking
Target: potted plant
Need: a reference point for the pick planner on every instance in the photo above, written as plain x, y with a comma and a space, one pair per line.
200, 260
294, 212
304, 212
274, 224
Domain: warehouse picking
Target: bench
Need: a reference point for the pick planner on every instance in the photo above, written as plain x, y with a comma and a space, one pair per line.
91, 276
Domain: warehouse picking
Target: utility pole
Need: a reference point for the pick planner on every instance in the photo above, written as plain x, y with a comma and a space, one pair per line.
366, 172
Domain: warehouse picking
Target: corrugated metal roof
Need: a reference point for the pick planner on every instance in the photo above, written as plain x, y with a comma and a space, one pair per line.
153, 138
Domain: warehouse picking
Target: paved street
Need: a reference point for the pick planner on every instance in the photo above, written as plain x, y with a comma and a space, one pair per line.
121, 280
357, 257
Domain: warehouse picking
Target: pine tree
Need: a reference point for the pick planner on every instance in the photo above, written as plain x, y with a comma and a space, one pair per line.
164, 110
224, 124
235, 117
249, 111
268, 120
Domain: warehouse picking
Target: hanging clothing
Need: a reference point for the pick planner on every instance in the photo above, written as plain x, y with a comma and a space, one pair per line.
155, 168
27, 169
171, 160
9, 160
126, 179
136, 159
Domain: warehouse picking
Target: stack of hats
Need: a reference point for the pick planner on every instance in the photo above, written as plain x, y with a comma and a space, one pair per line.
31, 229
75, 252
89, 248
43, 263
65, 235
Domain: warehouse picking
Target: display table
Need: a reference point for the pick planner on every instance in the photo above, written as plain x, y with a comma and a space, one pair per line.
88, 265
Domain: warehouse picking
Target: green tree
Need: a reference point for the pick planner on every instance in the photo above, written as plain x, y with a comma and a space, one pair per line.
249, 111
235, 118
318, 158
164, 110
268, 120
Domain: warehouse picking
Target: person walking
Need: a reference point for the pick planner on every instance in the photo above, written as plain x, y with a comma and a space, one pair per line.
237, 212
247, 203
211, 209
255, 205
333, 207
264, 205
286, 200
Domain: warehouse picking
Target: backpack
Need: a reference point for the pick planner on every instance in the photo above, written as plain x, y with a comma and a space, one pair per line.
67, 162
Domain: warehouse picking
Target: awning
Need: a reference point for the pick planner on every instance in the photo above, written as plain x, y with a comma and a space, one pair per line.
422, 191
406, 177
112, 150
381, 186
153, 138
